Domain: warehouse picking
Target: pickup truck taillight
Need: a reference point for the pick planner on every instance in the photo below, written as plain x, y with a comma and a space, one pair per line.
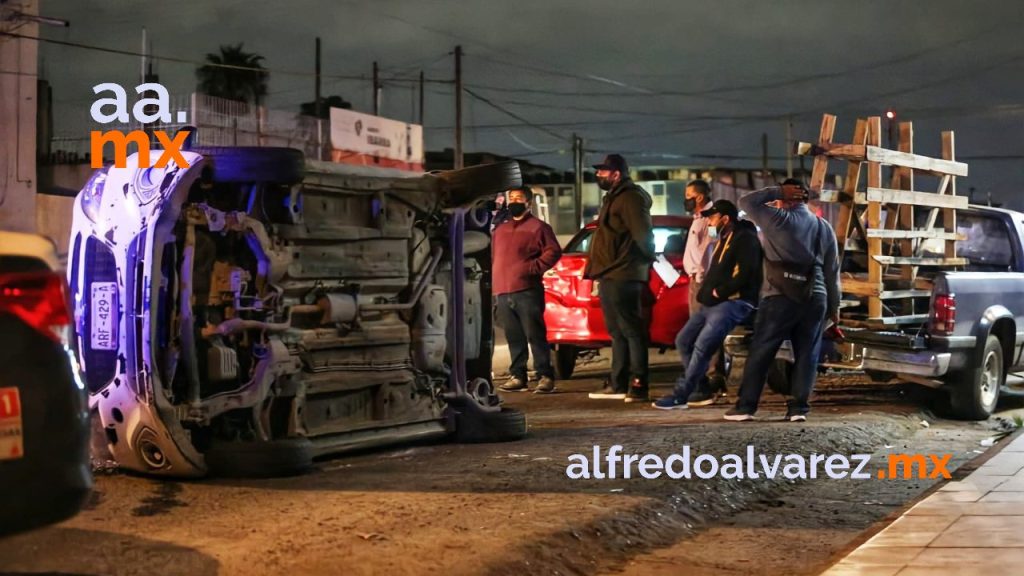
39, 299
944, 314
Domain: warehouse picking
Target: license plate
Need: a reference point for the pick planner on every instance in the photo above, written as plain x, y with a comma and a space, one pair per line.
11, 435
103, 325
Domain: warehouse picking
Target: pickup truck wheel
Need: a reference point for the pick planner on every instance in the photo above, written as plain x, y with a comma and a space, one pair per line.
466, 185
974, 393
778, 377
565, 360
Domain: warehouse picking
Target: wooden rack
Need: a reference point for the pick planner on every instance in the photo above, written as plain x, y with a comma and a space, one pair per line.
892, 290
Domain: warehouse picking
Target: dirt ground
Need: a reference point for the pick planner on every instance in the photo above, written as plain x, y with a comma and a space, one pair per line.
510, 509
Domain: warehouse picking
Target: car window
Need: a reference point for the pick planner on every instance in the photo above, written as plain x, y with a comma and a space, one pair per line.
580, 244
986, 246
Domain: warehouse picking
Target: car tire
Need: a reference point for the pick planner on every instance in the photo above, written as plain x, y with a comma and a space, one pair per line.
254, 164
284, 457
565, 360
475, 426
779, 377
466, 185
974, 392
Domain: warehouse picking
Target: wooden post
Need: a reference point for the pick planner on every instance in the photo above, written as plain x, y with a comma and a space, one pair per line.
820, 169
848, 212
949, 214
874, 219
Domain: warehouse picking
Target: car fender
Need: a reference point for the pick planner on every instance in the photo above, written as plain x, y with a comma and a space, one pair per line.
984, 327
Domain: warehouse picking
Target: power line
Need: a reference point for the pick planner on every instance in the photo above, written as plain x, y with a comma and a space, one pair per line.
179, 60
513, 114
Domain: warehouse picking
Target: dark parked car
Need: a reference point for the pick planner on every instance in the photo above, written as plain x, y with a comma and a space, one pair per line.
44, 419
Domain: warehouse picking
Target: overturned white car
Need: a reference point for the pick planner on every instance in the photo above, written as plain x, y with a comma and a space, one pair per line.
253, 311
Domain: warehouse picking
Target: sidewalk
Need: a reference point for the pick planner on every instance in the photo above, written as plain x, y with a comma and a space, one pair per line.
974, 526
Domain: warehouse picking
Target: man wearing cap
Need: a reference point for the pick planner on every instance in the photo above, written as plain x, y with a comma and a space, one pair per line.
700, 241
523, 248
728, 296
800, 290
621, 253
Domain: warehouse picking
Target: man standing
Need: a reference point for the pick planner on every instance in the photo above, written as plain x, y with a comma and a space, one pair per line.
801, 289
728, 295
696, 261
621, 253
523, 248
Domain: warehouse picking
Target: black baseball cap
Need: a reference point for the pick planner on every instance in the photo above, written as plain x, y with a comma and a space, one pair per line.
723, 207
613, 162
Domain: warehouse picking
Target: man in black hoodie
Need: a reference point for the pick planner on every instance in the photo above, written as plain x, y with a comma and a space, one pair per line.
728, 294
621, 253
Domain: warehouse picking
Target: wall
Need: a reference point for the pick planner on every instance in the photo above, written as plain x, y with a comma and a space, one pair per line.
18, 60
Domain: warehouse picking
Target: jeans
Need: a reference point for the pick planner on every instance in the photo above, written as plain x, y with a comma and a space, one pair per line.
778, 319
716, 364
622, 302
701, 337
521, 314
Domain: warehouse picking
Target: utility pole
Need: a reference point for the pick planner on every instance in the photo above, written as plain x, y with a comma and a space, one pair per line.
764, 156
458, 108
577, 166
421, 97
376, 89
789, 147
318, 106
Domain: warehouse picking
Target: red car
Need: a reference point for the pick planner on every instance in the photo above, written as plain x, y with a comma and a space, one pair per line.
573, 311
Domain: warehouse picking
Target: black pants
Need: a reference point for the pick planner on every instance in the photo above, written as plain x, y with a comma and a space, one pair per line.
778, 319
623, 302
521, 314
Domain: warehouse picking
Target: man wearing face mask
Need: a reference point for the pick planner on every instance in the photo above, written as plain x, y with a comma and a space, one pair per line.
700, 241
728, 296
523, 248
621, 253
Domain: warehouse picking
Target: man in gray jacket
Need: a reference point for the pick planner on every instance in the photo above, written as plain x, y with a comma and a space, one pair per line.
801, 290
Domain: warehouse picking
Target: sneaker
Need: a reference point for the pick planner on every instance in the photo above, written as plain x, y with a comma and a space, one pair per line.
736, 415
607, 393
669, 402
698, 399
514, 385
717, 385
545, 386
637, 392
796, 418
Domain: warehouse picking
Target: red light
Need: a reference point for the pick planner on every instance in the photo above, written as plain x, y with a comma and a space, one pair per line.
38, 299
944, 314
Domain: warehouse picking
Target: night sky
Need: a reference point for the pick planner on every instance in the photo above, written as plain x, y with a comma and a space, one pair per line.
667, 82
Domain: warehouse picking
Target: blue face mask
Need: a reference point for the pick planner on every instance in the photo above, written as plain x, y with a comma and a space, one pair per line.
712, 232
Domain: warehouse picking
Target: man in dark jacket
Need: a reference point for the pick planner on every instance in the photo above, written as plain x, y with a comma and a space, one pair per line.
621, 253
801, 289
523, 248
728, 296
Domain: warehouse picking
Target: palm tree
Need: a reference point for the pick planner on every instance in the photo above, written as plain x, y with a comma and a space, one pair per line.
234, 74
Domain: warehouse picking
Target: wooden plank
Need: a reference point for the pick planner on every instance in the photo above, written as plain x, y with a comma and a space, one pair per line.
820, 169
894, 294
948, 215
890, 196
916, 261
875, 153
924, 234
905, 179
860, 287
848, 213
897, 320
874, 217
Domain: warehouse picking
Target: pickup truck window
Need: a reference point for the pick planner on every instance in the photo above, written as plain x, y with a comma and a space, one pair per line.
987, 245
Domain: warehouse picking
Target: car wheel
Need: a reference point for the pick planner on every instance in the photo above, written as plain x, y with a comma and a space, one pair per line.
779, 377
284, 457
254, 164
565, 360
466, 185
974, 393
474, 425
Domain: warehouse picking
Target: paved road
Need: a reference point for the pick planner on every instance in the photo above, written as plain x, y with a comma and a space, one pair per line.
510, 508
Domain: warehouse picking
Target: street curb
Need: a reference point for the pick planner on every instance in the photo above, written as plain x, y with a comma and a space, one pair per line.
959, 474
